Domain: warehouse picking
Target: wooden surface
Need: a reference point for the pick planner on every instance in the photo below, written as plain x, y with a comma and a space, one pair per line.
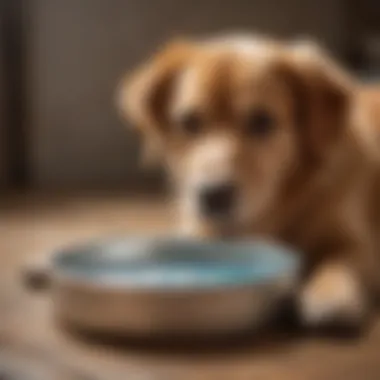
33, 348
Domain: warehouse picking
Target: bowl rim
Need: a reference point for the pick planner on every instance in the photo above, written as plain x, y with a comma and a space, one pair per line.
73, 278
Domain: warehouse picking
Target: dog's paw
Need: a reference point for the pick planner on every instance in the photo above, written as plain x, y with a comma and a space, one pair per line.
332, 297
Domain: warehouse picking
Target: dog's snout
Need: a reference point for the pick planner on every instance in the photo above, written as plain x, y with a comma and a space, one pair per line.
217, 200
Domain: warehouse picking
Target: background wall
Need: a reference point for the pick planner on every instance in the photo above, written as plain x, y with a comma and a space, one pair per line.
78, 50
3, 154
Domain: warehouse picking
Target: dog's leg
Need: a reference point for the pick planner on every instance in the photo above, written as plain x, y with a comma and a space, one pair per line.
333, 295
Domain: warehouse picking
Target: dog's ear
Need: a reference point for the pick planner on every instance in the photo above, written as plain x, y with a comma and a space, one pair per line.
144, 96
323, 94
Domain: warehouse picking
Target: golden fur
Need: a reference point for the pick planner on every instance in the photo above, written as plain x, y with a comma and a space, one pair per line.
313, 182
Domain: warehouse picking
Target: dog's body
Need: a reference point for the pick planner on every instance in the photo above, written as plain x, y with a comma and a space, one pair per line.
272, 139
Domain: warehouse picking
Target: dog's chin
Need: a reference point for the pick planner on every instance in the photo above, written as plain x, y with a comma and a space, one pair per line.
234, 224
217, 219
230, 225
225, 226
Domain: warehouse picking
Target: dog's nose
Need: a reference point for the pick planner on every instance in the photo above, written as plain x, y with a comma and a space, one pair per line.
217, 200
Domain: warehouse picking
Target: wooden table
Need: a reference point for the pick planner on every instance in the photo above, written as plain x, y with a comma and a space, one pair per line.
33, 348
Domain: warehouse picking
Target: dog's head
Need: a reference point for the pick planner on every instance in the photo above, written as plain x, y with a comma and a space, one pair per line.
234, 119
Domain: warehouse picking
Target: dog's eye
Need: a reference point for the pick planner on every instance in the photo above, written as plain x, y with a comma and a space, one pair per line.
259, 123
191, 123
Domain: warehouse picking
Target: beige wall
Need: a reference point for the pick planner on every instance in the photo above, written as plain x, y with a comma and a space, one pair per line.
2, 119
80, 48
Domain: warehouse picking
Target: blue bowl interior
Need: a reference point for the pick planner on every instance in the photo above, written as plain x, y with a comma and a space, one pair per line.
170, 263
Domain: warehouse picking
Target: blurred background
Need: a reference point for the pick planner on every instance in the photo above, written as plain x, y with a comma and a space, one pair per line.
61, 61
62, 141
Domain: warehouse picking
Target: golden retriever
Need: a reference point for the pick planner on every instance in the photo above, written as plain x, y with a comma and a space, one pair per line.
271, 138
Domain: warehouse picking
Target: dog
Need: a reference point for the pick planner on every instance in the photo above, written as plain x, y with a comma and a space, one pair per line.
271, 138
